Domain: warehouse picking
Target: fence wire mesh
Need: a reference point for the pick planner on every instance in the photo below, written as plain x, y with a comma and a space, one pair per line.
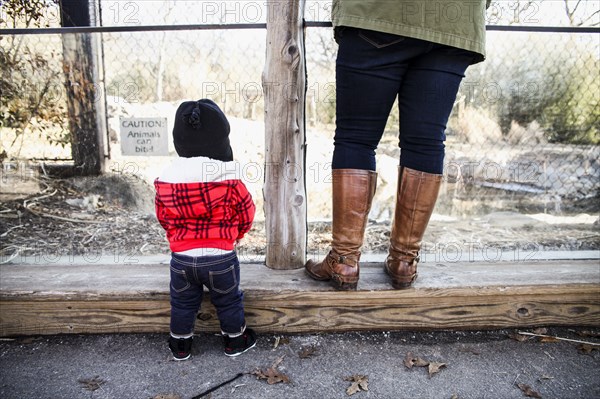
524, 134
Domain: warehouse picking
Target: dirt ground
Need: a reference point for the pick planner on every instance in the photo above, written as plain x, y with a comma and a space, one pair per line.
496, 201
113, 214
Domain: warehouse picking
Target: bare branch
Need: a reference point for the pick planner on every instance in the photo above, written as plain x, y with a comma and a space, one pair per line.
583, 21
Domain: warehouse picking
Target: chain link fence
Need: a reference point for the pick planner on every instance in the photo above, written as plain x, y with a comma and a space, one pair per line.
524, 135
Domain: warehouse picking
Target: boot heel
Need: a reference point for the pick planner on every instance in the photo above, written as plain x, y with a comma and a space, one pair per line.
338, 283
402, 285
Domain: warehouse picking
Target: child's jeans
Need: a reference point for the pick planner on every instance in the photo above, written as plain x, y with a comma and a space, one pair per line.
221, 275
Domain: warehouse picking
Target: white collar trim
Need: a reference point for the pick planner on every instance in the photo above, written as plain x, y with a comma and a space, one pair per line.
200, 170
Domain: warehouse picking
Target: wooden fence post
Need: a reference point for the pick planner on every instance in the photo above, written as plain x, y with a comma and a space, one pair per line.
85, 101
284, 86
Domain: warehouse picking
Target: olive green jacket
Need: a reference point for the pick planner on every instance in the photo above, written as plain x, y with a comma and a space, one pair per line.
456, 23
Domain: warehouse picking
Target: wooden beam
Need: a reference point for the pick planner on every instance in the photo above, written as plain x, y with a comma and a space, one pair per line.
38, 299
284, 85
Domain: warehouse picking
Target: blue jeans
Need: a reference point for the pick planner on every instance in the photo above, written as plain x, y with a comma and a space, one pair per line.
221, 275
375, 68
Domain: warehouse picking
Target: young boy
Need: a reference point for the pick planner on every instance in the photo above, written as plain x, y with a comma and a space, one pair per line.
205, 210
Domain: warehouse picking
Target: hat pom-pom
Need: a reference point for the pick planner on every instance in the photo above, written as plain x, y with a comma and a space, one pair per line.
194, 119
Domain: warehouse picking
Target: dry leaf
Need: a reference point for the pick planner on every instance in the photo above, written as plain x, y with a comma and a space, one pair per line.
281, 341
528, 391
454, 396
307, 351
549, 340
518, 337
410, 360
587, 348
272, 375
91, 384
588, 334
359, 383
277, 362
435, 368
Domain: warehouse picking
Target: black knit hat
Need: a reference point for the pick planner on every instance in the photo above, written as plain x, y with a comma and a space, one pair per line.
201, 129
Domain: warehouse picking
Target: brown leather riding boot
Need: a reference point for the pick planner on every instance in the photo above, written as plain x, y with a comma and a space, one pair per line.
415, 200
352, 193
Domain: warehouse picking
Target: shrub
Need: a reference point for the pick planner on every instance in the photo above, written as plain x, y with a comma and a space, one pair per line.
32, 89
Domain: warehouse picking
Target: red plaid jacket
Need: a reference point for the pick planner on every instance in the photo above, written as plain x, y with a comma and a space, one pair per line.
202, 207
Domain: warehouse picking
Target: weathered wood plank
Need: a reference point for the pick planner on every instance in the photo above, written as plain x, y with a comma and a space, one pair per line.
285, 137
142, 279
293, 312
55, 316
116, 299
447, 309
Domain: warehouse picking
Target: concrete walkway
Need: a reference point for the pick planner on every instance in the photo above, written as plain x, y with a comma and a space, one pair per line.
479, 364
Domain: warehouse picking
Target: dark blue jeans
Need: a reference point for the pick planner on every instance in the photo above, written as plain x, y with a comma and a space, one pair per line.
375, 68
221, 275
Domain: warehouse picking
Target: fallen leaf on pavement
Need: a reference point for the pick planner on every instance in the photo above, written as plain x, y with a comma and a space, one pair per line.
410, 360
586, 348
308, 351
588, 334
91, 384
277, 361
526, 389
518, 337
435, 368
271, 374
359, 383
421, 362
549, 340
281, 341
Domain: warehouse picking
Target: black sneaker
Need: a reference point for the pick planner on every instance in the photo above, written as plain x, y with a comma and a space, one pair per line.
238, 345
181, 347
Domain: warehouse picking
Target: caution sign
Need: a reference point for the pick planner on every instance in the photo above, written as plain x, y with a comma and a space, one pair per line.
144, 136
